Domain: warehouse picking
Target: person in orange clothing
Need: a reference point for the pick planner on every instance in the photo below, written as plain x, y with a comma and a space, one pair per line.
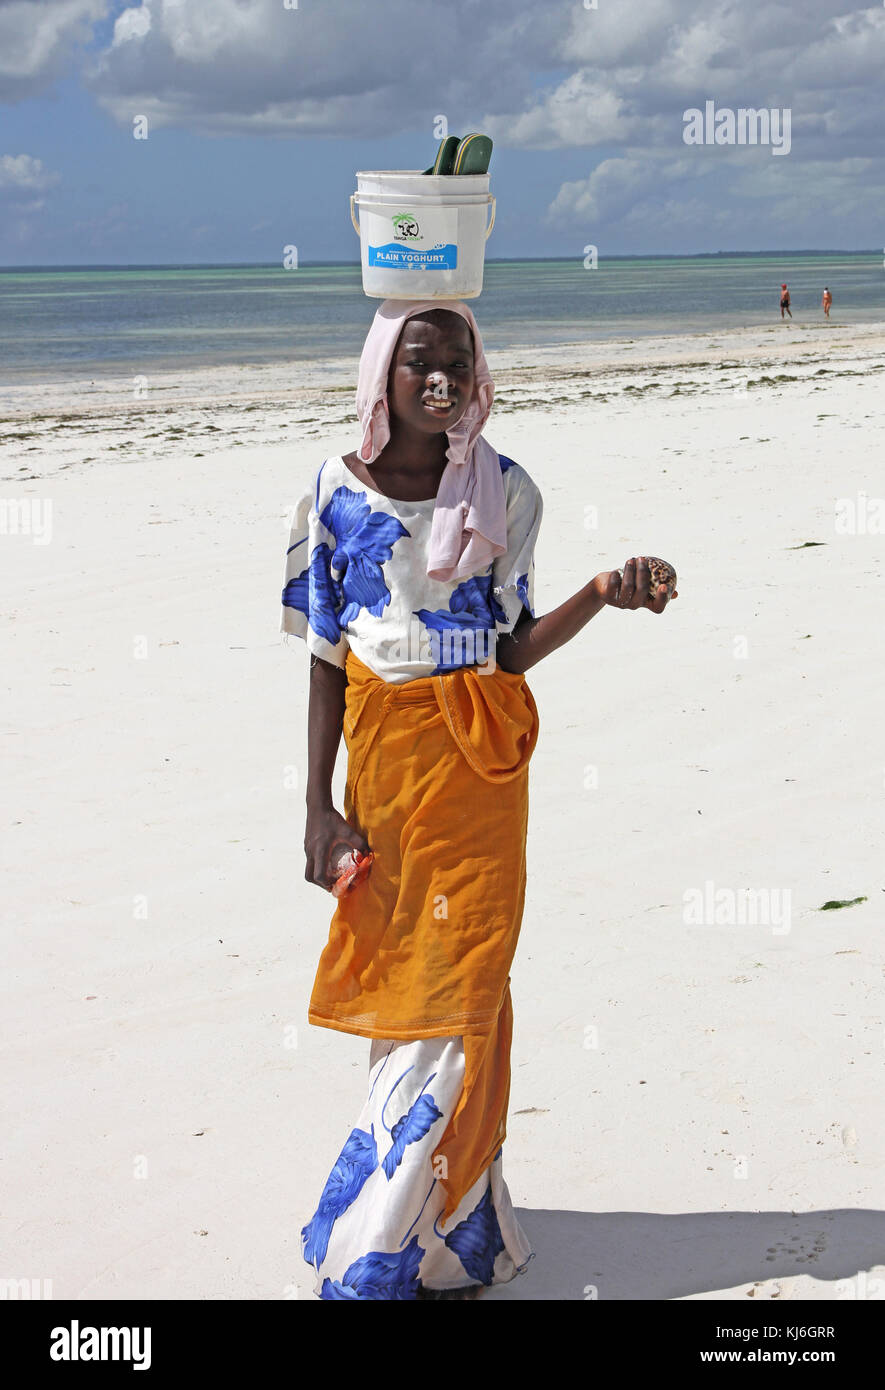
785, 301
826, 301
410, 576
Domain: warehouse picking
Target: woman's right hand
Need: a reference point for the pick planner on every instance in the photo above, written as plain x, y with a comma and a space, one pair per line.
323, 831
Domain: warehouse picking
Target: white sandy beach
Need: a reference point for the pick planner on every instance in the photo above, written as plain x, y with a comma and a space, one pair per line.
696, 1109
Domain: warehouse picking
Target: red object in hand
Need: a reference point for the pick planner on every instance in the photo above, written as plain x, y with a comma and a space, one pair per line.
350, 869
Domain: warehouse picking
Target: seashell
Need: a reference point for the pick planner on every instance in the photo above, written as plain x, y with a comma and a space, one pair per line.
349, 868
661, 573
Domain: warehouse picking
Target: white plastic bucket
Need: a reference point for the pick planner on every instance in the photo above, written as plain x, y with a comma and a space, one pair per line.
422, 236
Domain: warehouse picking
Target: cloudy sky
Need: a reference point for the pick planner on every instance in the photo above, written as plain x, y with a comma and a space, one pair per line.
258, 113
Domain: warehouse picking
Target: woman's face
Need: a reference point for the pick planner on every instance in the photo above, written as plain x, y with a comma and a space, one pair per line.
432, 373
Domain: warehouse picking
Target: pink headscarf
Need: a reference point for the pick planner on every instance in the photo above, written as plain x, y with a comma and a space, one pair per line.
469, 525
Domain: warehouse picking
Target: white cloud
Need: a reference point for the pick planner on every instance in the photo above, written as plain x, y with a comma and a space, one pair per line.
611, 190
815, 189
618, 35
132, 24
38, 39
613, 81
606, 193
645, 197
534, 76
337, 68
849, 53
581, 110
22, 175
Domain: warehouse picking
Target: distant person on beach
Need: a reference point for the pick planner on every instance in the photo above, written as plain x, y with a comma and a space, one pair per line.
827, 301
410, 576
785, 301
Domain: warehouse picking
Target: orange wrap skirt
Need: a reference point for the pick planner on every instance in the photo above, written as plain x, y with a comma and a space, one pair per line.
437, 781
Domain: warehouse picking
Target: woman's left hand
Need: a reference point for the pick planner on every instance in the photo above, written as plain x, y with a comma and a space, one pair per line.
633, 589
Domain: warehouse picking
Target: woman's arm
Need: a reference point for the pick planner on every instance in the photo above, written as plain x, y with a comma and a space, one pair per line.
325, 827
534, 638
325, 719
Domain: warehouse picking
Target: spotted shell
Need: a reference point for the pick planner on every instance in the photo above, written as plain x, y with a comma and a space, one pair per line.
661, 573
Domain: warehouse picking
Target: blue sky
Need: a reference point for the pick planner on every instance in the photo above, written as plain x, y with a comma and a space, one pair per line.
259, 115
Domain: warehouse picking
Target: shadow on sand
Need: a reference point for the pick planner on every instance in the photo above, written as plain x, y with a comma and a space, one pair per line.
644, 1255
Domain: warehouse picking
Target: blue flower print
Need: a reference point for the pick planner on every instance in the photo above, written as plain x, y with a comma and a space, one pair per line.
316, 594
477, 1240
363, 541
522, 589
409, 1128
472, 608
356, 1162
379, 1275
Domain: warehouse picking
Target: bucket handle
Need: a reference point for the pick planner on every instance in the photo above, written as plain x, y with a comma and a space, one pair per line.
356, 225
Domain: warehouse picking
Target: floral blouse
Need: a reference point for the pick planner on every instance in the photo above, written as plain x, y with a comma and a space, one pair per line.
356, 578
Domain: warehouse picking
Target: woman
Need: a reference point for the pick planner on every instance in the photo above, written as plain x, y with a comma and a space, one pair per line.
410, 573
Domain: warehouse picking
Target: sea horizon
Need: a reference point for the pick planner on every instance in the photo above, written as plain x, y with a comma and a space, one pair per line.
95, 322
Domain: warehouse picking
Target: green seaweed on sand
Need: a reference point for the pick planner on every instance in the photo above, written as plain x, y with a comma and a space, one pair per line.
774, 380
833, 903
805, 545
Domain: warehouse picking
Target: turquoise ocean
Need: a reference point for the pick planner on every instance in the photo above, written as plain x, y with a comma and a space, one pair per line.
63, 323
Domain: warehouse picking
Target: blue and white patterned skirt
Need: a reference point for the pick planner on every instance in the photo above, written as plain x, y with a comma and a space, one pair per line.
376, 1233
